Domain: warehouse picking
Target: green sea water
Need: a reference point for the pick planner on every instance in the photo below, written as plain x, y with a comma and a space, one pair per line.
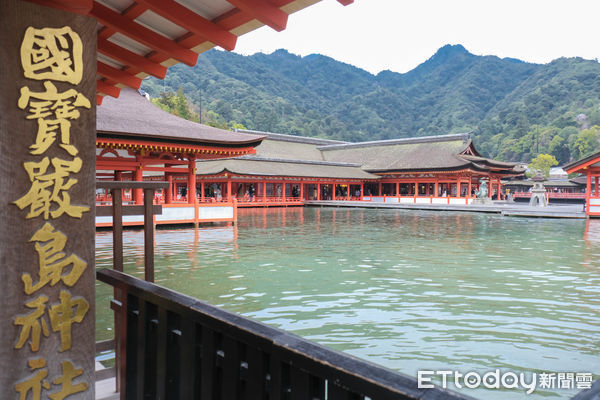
409, 290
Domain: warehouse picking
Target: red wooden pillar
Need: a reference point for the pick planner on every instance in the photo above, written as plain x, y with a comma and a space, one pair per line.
499, 189
264, 185
318, 191
588, 191
333, 191
470, 189
597, 188
169, 190
397, 188
202, 191
192, 181
490, 186
362, 190
436, 188
283, 192
379, 193
138, 194
301, 191
229, 197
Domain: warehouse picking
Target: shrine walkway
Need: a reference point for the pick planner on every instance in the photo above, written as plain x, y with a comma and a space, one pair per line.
497, 207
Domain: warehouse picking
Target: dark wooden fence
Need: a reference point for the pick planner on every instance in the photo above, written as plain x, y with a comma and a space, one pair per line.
178, 347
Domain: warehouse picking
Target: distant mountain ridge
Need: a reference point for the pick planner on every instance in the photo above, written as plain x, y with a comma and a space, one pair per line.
498, 99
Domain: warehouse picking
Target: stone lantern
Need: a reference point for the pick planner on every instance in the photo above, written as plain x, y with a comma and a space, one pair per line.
538, 192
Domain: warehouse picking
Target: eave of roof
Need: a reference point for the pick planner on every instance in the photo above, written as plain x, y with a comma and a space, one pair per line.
144, 37
550, 182
580, 165
252, 166
133, 116
489, 162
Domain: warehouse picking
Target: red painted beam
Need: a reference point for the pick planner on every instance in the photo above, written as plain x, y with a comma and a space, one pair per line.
263, 11
107, 89
131, 59
147, 37
191, 21
345, 2
99, 100
118, 75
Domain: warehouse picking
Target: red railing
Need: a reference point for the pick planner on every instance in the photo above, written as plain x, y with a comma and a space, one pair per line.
552, 195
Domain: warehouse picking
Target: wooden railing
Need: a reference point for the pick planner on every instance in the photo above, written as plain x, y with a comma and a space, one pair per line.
178, 347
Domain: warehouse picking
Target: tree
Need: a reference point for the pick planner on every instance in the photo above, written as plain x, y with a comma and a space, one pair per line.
543, 163
586, 143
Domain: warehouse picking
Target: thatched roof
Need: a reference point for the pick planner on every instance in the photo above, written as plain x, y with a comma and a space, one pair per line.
277, 145
447, 152
132, 116
258, 166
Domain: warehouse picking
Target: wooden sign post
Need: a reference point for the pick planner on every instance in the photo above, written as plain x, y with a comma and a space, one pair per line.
47, 170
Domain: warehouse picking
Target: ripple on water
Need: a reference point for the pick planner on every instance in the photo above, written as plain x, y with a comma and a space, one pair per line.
409, 290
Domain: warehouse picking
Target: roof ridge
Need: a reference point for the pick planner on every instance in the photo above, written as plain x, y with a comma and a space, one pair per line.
390, 142
284, 160
291, 138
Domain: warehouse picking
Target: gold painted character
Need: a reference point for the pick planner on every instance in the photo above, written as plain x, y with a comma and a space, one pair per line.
62, 316
49, 188
66, 382
33, 324
52, 260
52, 53
52, 110
35, 382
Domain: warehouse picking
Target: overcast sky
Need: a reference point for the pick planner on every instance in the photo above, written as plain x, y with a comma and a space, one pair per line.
400, 34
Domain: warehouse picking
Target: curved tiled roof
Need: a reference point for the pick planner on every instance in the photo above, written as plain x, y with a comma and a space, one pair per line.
133, 116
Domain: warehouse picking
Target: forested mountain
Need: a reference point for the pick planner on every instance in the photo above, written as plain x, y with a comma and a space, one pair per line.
516, 110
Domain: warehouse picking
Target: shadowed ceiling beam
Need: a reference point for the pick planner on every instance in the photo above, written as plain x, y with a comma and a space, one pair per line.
263, 11
75, 6
118, 75
147, 37
191, 21
130, 58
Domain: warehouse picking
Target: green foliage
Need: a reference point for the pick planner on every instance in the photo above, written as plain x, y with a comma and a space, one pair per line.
587, 142
543, 163
178, 104
515, 110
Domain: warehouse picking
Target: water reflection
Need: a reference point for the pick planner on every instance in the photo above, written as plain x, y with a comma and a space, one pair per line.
409, 290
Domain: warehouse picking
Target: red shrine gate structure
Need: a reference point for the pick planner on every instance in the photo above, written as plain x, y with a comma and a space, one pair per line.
211, 171
590, 168
290, 170
138, 141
